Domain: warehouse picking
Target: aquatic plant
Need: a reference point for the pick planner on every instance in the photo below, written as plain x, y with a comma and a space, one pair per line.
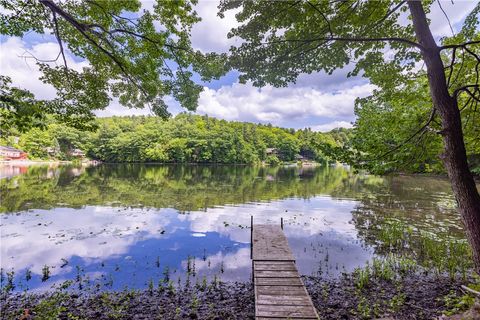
45, 273
439, 252
10, 281
362, 276
456, 304
166, 274
383, 268
150, 286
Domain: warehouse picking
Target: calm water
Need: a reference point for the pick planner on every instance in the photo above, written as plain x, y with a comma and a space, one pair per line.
122, 225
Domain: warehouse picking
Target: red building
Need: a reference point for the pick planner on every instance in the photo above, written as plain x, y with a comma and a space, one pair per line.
10, 153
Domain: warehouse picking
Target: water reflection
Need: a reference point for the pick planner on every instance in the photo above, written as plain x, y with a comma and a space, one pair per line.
127, 224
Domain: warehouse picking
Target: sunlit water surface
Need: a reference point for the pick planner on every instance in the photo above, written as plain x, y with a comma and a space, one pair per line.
128, 225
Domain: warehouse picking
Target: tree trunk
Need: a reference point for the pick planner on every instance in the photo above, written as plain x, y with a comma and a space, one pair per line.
455, 156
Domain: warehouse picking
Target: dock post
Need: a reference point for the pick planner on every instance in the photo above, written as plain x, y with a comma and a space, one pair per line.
251, 237
281, 222
251, 247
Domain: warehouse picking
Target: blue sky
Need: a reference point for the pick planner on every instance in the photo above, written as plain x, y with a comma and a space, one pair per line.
319, 101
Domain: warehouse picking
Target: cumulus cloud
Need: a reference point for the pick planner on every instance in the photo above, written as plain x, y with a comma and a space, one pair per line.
17, 62
116, 109
211, 33
456, 11
280, 105
332, 125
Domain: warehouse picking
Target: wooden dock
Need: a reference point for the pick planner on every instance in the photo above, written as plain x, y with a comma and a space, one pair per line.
279, 290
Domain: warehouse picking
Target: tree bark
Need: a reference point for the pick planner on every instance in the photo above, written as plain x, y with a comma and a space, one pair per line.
455, 156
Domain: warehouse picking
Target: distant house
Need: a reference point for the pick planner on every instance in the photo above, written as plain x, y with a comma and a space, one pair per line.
271, 151
299, 157
52, 151
77, 153
10, 153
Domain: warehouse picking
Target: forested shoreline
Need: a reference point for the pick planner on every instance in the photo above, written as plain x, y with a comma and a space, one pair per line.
186, 138
189, 138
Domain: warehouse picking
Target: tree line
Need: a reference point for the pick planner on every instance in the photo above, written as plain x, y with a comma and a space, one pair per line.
186, 138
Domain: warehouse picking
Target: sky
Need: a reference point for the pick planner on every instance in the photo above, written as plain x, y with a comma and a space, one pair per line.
319, 101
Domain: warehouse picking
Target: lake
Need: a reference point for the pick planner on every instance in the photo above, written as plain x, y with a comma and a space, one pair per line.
129, 225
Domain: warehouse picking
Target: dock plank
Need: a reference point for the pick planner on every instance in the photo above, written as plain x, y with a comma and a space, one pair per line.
291, 282
279, 290
269, 243
290, 266
276, 274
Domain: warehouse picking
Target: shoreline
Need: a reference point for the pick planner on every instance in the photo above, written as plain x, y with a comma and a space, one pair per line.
411, 296
44, 162
307, 164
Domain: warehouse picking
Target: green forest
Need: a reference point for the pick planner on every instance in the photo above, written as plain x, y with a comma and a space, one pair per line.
190, 138
185, 138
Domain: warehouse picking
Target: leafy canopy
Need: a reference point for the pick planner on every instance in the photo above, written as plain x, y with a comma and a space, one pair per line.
396, 128
283, 39
138, 56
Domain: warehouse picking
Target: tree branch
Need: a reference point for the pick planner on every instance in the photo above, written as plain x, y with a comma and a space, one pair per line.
32, 56
390, 12
82, 28
57, 34
461, 67
446, 16
422, 129
465, 89
451, 67
462, 45
354, 39
114, 16
323, 16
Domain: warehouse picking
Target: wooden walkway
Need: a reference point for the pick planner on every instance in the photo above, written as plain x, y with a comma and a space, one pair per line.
279, 290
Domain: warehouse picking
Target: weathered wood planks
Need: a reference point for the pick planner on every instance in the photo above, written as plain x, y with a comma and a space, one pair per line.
279, 290
269, 243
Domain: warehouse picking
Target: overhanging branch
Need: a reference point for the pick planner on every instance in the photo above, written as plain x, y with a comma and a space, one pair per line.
351, 39
59, 40
475, 87
82, 28
461, 45
419, 131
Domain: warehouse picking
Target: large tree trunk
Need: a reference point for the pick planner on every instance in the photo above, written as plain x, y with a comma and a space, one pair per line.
455, 156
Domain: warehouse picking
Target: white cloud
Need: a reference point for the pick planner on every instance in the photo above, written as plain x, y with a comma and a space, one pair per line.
279, 105
332, 125
116, 109
456, 12
17, 62
211, 33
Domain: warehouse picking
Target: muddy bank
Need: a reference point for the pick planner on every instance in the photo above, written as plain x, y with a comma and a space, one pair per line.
218, 301
411, 297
